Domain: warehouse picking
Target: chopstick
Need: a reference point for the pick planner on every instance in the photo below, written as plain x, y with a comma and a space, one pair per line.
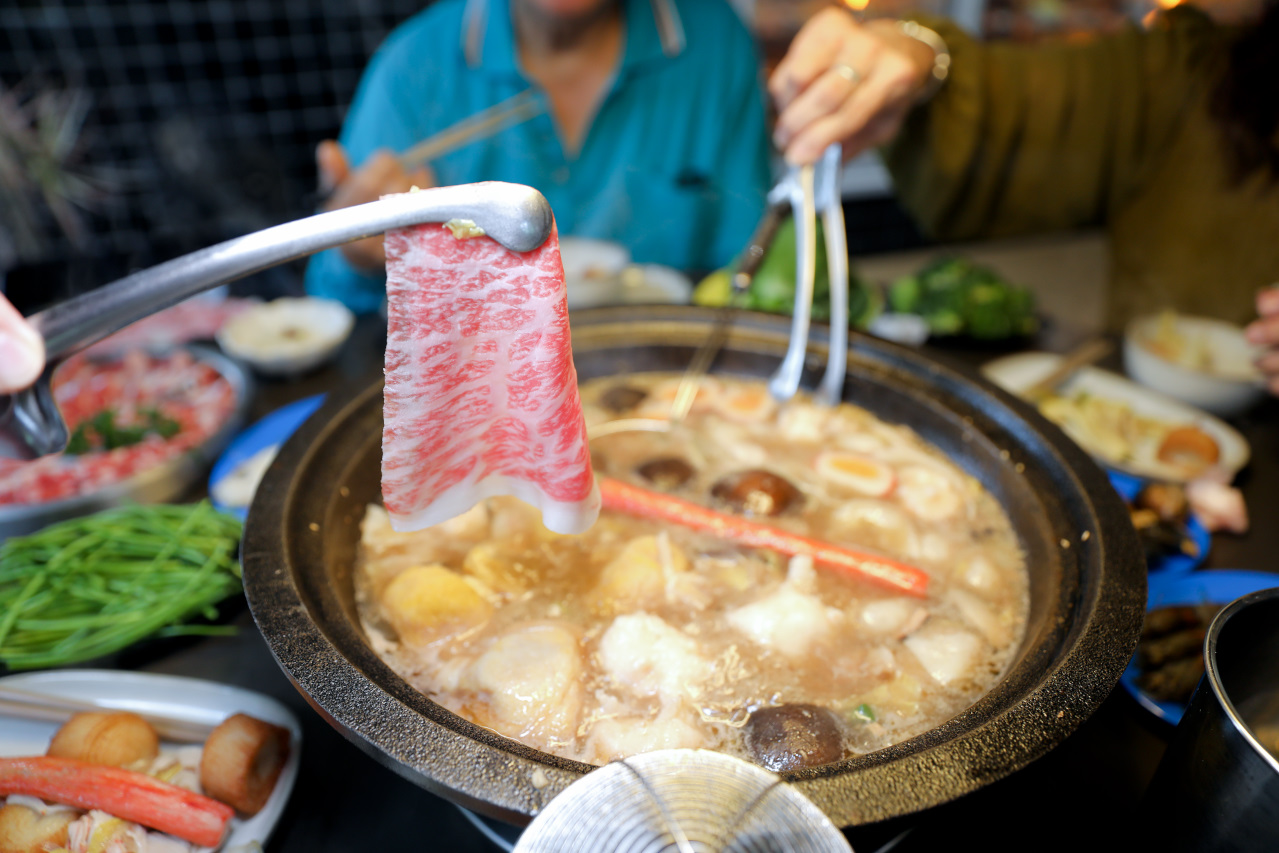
29, 705
514, 110
1072, 362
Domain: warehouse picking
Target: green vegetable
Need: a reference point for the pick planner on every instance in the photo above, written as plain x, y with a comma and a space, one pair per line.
103, 432
90, 586
863, 713
773, 288
714, 291
957, 297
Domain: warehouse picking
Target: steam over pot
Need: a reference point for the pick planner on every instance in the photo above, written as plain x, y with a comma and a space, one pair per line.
1087, 578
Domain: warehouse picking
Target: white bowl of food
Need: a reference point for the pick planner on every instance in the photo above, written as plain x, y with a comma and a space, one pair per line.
592, 271
1201, 361
289, 336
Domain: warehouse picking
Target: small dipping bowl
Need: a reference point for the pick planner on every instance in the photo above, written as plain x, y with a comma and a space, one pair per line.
1217, 787
288, 336
1228, 384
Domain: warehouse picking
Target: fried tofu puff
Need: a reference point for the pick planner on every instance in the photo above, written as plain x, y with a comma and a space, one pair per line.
637, 577
114, 738
241, 761
428, 603
25, 830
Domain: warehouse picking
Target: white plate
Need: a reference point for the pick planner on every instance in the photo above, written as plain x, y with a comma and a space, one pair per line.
1016, 372
189, 699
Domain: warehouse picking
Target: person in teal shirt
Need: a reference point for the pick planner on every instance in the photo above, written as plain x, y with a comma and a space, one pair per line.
653, 133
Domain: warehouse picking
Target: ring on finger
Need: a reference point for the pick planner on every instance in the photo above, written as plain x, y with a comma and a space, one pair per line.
848, 72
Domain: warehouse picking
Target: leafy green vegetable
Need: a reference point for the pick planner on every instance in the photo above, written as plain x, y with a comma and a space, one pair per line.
863, 713
104, 432
90, 586
956, 296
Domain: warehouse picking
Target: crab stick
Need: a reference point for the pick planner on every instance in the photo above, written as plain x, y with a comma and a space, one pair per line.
119, 792
633, 500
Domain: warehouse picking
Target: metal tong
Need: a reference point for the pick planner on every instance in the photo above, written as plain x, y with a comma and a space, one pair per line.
805, 190
810, 189
516, 216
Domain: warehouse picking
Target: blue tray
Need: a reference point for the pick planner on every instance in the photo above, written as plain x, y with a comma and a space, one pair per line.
274, 428
1128, 487
1211, 586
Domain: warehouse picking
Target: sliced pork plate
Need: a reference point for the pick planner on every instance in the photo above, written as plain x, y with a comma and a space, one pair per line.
481, 394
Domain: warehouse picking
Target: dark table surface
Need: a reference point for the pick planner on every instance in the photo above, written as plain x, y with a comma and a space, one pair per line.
1071, 799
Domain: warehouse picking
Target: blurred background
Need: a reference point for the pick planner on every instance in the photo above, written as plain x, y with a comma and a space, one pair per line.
132, 131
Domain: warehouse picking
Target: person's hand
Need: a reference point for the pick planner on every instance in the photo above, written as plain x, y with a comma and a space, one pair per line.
380, 175
1264, 331
843, 81
21, 350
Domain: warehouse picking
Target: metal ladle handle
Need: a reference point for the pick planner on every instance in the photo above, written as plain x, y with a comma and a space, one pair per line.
516, 216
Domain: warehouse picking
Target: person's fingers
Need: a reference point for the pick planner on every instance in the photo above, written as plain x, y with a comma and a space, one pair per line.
1263, 332
424, 177
812, 52
382, 174
880, 130
824, 98
21, 350
873, 104
332, 164
1268, 300
1269, 362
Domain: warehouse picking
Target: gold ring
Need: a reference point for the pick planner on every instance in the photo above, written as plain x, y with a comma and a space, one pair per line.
848, 72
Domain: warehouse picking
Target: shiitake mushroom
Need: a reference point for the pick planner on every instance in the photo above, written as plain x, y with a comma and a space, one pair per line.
666, 473
790, 737
622, 398
757, 492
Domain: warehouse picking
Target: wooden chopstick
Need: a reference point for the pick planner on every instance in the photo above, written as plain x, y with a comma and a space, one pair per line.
30, 705
514, 110
1071, 363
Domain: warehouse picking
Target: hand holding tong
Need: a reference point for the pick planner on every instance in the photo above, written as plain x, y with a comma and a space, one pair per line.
516, 216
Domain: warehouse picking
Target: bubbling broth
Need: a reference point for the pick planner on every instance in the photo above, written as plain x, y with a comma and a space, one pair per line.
641, 635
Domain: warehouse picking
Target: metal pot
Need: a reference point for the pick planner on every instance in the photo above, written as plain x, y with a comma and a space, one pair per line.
1087, 583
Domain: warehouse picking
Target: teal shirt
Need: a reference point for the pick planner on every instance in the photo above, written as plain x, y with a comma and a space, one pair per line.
674, 164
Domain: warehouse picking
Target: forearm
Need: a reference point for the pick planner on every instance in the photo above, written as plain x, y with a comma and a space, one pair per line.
1033, 138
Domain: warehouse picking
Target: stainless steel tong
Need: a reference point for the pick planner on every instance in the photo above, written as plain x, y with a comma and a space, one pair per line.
805, 190
813, 189
516, 216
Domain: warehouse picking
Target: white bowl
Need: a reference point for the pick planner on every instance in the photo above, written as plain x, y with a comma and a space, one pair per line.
1214, 369
287, 337
654, 284
592, 271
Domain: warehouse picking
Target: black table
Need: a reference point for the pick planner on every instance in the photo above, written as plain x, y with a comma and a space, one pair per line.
1068, 800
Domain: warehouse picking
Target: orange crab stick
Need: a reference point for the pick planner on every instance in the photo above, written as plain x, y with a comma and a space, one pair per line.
632, 500
119, 792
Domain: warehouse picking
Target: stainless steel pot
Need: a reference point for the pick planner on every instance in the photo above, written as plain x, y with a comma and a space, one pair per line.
1087, 578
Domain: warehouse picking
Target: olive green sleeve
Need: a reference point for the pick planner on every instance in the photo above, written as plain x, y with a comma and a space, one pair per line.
1025, 138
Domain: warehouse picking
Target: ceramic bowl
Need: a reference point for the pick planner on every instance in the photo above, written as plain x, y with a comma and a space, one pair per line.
287, 337
1204, 362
